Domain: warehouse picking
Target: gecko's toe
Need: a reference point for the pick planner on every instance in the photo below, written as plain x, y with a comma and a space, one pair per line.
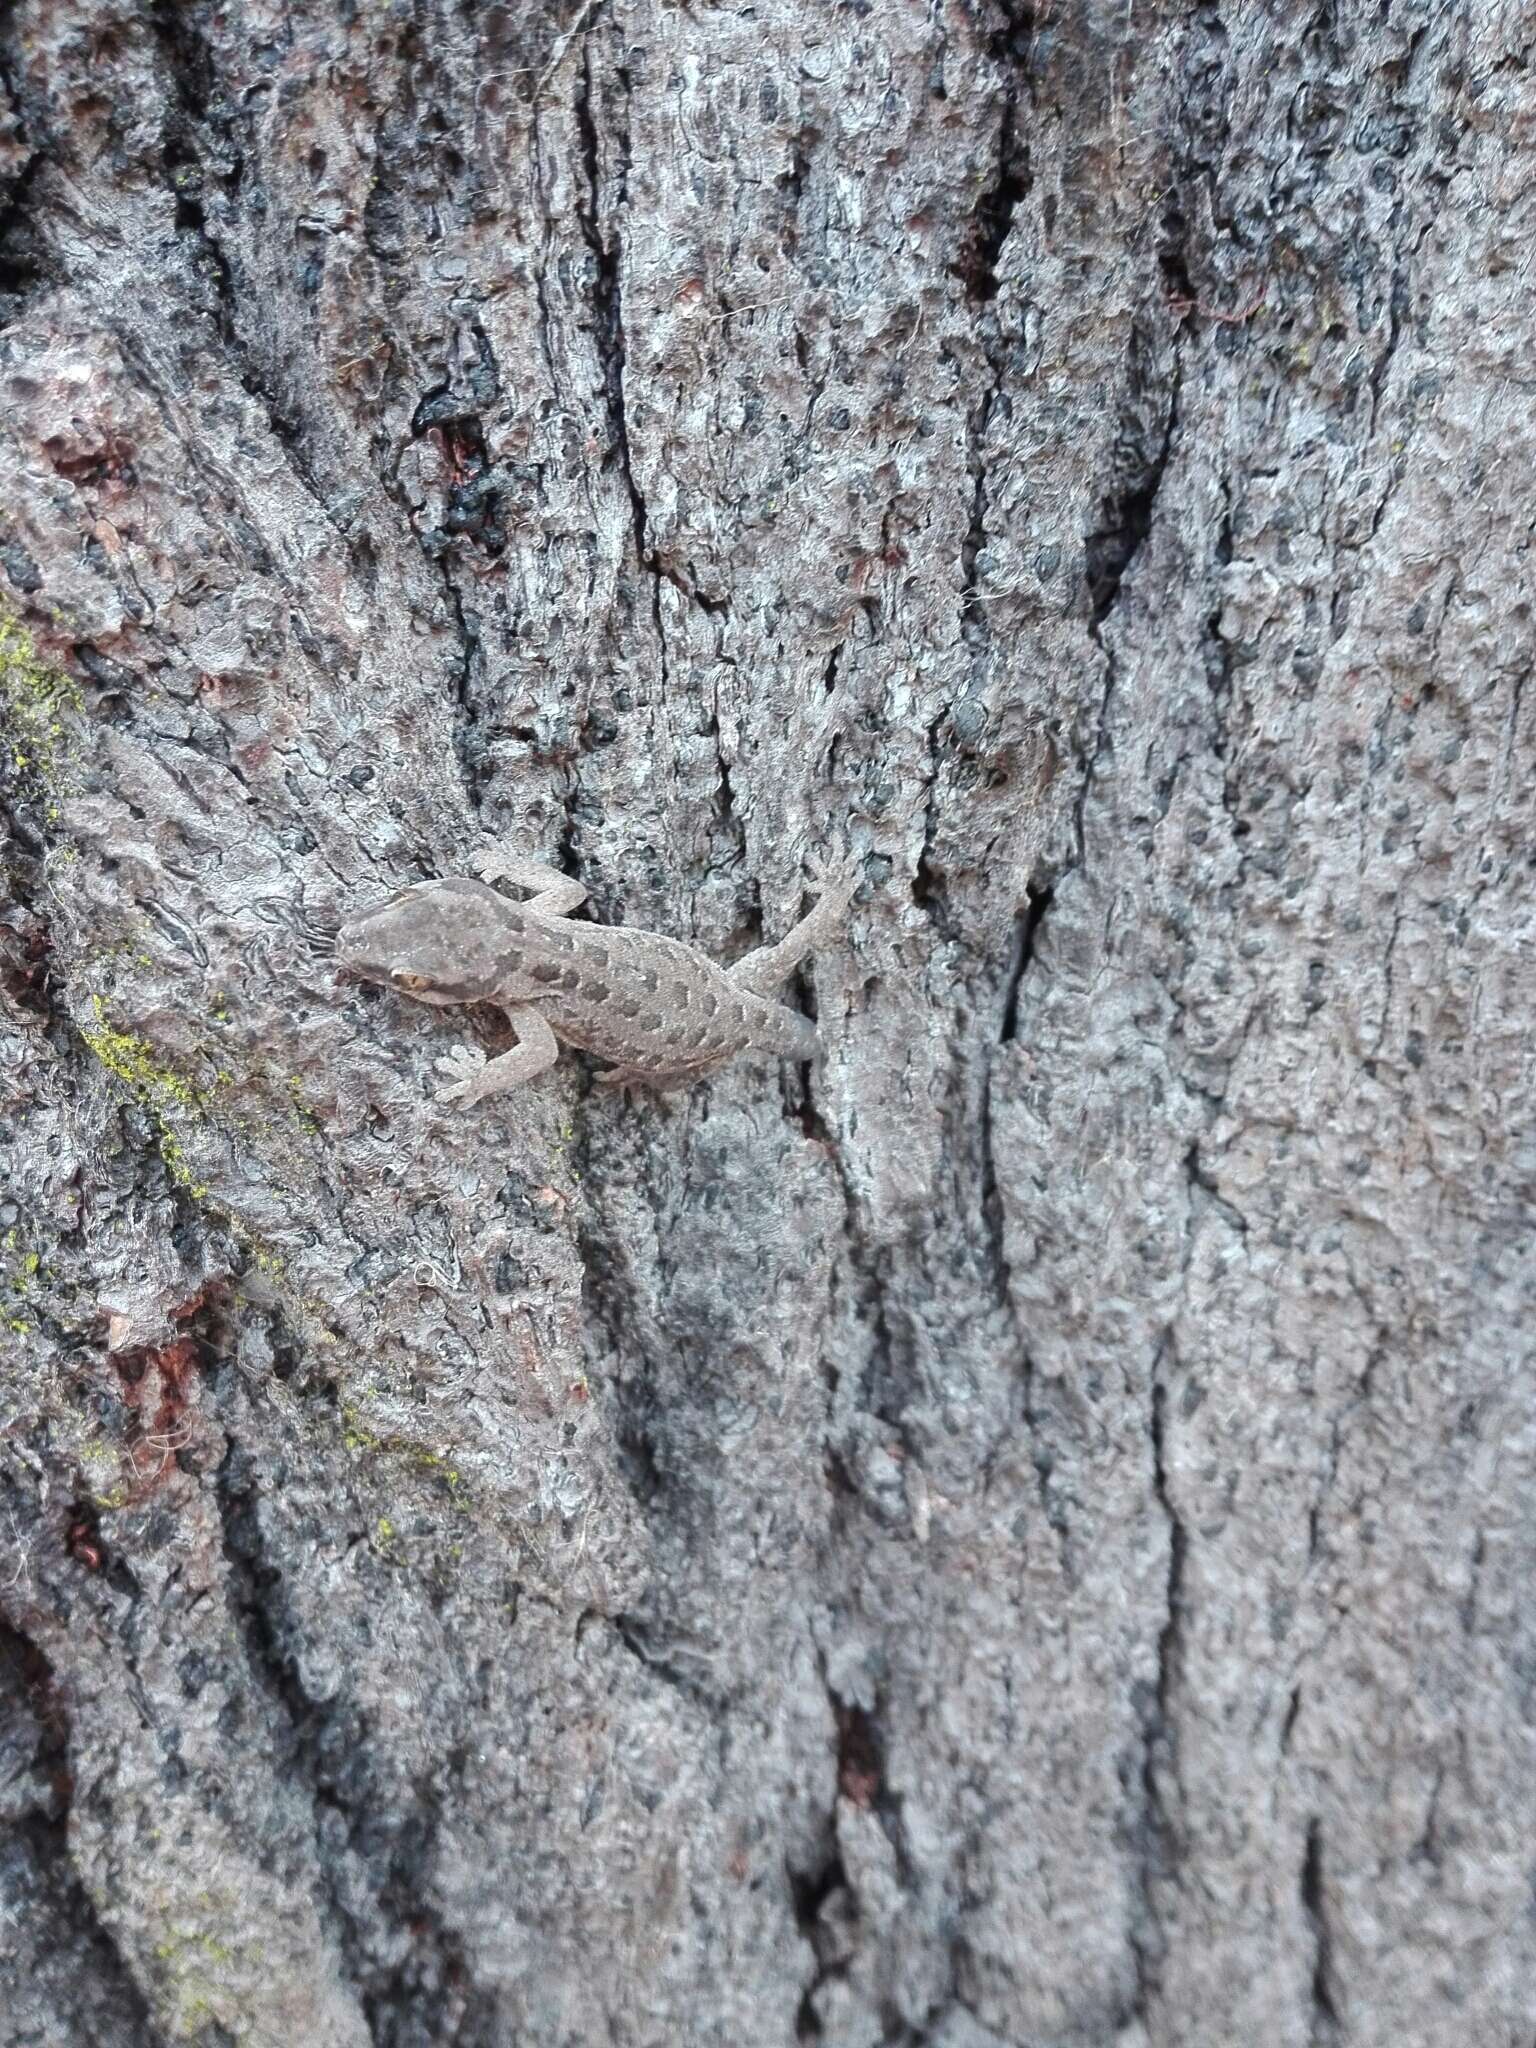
833, 874
462, 1069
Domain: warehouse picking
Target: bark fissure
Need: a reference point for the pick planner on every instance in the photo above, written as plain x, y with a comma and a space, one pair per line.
1125, 518
1026, 934
40, 1829
183, 169
429, 1992
253, 1577
973, 611
977, 268
1157, 1838
608, 310
992, 221
469, 741
994, 1245
1220, 668
1011, 50
632, 1631
23, 265
730, 817
1109, 553
810, 1892
1214, 1199
1324, 2023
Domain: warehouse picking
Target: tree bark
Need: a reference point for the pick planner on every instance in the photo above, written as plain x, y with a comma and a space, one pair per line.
1022, 1533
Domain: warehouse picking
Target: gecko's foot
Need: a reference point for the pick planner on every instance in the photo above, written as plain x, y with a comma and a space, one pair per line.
623, 1077
464, 1070
491, 864
834, 877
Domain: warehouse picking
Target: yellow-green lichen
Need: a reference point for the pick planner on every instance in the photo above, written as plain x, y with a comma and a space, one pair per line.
195, 1968
355, 1434
22, 1270
24, 1274
305, 1117
365, 1442
176, 1107
100, 1467
35, 701
166, 1096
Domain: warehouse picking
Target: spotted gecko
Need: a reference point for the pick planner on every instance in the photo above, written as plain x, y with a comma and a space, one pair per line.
661, 1009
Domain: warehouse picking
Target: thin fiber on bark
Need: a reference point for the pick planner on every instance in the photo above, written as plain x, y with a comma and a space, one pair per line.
1019, 1536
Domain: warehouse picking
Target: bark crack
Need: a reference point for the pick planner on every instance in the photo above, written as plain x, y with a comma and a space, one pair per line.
432, 1981
811, 1891
42, 1833
973, 614
1011, 47
252, 1575
469, 742
1157, 1840
23, 264
1026, 933
1000, 1277
632, 1632
1125, 523
1324, 2024
1125, 515
608, 307
191, 92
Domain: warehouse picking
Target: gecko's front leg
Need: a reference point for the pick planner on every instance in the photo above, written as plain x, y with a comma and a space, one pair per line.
553, 894
473, 1077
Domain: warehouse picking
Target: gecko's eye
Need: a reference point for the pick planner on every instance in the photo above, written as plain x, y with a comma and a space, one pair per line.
412, 981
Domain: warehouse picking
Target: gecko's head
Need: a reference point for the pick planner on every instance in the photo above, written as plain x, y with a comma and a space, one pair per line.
433, 941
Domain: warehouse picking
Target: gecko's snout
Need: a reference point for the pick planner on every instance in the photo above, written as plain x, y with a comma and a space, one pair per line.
350, 953
350, 940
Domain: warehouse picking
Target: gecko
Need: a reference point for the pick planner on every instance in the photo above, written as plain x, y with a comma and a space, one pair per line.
662, 1010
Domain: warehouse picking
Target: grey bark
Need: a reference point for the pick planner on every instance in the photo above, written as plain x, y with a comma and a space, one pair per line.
1023, 1534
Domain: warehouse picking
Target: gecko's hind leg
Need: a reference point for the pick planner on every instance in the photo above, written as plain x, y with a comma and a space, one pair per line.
763, 971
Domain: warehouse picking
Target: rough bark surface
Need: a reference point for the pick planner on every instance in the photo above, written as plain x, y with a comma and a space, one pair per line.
1022, 1534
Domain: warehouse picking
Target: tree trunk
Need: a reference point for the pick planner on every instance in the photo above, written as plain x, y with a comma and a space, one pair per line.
1020, 1533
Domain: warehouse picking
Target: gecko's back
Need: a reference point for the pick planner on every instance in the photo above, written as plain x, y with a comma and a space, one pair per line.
649, 1002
